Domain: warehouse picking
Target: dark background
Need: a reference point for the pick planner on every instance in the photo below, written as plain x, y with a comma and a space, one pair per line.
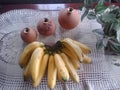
43, 1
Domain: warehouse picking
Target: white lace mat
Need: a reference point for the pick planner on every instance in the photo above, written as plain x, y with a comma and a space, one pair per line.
95, 76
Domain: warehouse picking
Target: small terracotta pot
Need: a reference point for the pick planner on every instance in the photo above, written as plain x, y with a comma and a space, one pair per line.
69, 18
46, 27
28, 35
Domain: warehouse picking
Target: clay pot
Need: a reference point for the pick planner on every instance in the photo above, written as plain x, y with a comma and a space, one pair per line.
69, 18
46, 27
28, 35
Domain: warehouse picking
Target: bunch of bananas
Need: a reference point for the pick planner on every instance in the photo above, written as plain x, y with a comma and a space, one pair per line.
59, 61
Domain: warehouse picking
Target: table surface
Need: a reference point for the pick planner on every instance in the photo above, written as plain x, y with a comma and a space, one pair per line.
7, 7
86, 25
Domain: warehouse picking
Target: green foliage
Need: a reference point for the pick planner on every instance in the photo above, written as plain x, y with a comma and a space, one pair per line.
91, 15
85, 13
109, 18
99, 8
99, 44
88, 3
114, 45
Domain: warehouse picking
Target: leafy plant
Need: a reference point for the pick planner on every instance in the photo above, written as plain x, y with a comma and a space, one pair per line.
109, 18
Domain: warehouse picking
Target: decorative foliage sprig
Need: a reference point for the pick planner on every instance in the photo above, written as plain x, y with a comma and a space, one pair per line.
109, 18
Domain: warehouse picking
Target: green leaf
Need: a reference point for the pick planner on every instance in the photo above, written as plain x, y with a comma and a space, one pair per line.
80, 7
113, 7
114, 45
100, 7
88, 3
84, 14
101, 2
91, 15
99, 20
118, 17
106, 29
111, 31
98, 31
114, 41
116, 26
115, 48
109, 17
99, 44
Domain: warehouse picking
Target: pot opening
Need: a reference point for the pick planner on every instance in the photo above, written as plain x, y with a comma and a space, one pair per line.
26, 30
70, 9
45, 19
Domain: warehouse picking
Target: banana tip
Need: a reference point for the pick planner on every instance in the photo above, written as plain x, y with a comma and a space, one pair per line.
34, 86
51, 89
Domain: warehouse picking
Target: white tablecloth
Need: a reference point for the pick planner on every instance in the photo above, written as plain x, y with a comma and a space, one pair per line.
101, 74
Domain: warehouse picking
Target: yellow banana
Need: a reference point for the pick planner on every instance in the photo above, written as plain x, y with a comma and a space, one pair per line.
86, 59
27, 52
52, 73
61, 67
85, 49
59, 77
26, 73
70, 68
75, 63
42, 69
70, 53
73, 58
35, 63
75, 48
